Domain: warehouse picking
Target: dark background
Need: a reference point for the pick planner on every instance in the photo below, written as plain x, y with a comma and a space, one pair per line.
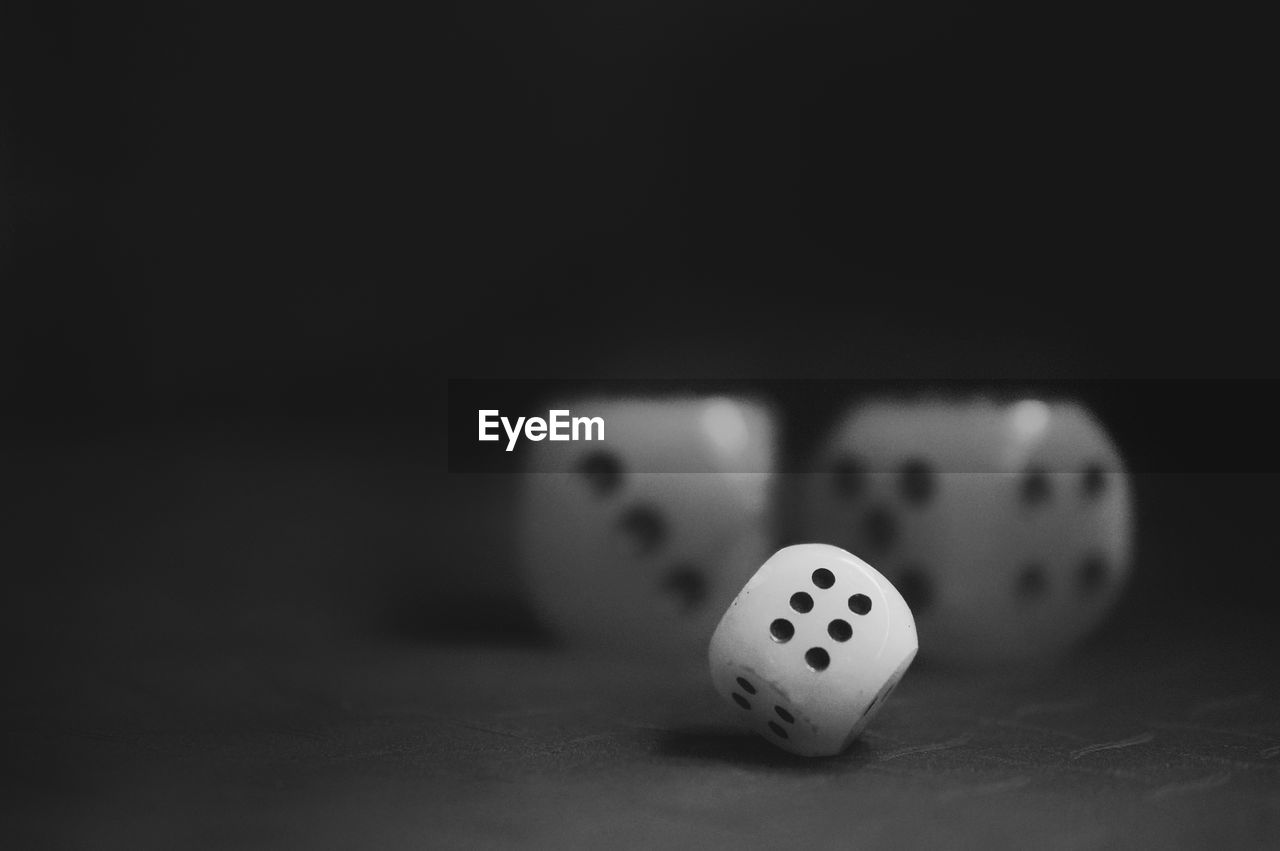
242, 246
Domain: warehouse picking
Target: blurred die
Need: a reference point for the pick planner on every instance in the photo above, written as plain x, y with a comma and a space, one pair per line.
637, 543
1006, 527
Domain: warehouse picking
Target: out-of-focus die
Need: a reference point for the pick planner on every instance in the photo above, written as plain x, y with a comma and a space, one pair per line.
637, 543
811, 648
1007, 527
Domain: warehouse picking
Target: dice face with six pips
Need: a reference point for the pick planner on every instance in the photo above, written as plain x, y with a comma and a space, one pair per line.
811, 648
637, 543
1005, 526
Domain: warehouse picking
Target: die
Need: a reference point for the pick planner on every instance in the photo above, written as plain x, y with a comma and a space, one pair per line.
812, 648
637, 543
1006, 526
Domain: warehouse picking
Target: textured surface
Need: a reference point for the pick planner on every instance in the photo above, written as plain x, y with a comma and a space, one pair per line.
177, 683
1163, 740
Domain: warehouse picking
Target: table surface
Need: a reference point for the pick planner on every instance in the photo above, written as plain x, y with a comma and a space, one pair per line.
1160, 739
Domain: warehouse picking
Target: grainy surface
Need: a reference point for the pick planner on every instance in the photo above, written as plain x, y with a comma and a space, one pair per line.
179, 681
1152, 740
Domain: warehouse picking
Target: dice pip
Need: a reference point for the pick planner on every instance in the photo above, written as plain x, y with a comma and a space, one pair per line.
636, 544
1006, 525
811, 648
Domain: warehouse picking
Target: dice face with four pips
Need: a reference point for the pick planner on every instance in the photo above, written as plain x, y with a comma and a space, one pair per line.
811, 648
1006, 526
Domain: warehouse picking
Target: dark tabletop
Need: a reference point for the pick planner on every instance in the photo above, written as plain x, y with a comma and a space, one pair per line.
201, 658
1158, 740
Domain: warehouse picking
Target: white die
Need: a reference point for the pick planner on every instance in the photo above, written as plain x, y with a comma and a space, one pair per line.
1007, 527
811, 648
637, 543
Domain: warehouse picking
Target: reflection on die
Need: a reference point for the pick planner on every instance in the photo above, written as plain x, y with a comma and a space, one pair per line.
812, 648
637, 543
1007, 527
